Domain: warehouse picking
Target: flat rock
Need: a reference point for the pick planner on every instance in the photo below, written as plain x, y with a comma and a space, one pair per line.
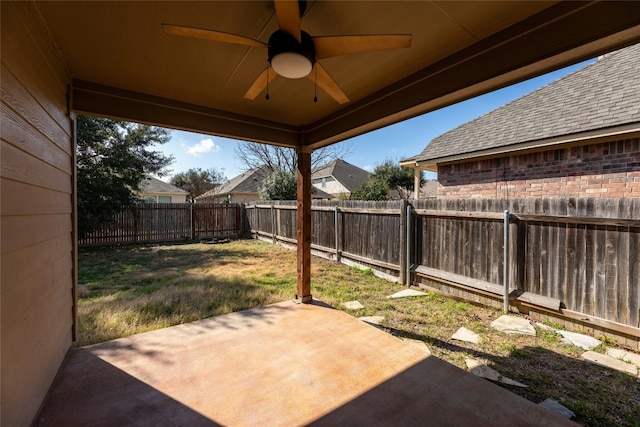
544, 327
419, 344
407, 293
464, 334
513, 325
553, 406
610, 362
479, 369
624, 355
353, 305
579, 340
374, 320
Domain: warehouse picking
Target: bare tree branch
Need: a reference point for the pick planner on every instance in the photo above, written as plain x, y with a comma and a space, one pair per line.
253, 155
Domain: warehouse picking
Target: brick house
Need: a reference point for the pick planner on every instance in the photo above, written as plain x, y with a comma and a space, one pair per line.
576, 137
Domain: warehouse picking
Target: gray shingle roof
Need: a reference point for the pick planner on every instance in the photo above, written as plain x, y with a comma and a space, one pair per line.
600, 95
347, 174
153, 185
247, 182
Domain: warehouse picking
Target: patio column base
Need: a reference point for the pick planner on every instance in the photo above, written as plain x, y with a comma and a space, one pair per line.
305, 299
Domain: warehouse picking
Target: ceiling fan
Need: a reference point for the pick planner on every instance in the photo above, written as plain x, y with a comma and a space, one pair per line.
293, 53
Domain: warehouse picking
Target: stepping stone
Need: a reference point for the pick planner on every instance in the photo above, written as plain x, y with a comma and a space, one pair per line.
481, 370
513, 325
553, 406
373, 320
579, 340
544, 327
464, 334
610, 362
419, 344
353, 305
407, 293
626, 356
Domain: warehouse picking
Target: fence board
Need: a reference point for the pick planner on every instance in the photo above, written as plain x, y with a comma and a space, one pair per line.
169, 222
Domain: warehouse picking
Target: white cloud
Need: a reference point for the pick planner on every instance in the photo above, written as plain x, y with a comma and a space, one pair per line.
368, 168
206, 145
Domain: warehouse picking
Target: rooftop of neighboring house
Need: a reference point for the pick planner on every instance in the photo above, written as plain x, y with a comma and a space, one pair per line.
604, 95
247, 182
151, 185
348, 175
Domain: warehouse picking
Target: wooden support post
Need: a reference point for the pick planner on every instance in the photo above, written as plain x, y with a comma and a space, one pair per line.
303, 293
417, 174
403, 243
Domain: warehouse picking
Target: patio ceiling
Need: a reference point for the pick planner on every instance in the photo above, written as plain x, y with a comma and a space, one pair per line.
125, 66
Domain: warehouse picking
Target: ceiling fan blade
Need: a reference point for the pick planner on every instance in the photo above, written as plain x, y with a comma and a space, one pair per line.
219, 36
260, 84
326, 83
288, 14
328, 46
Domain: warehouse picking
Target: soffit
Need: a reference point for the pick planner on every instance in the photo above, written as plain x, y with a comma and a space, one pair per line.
133, 70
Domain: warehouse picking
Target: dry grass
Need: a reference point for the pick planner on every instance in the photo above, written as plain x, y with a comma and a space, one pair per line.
130, 290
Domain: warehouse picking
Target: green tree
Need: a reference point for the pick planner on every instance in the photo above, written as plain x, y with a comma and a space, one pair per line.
113, 158
198, 181
279, 185
387, 176
372, 190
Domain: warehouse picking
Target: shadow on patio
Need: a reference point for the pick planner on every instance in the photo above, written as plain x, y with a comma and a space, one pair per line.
284, 364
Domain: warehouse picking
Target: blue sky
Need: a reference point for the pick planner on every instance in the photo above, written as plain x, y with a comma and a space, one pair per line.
394, 142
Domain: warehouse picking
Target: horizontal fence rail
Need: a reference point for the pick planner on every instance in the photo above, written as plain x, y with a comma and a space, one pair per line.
578, 256
169, 222
337, 229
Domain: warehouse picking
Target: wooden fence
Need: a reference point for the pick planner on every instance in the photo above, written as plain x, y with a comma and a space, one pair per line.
170, 222
580, 255
363, 232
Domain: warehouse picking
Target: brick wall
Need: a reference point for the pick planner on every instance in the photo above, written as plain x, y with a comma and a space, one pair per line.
609, 169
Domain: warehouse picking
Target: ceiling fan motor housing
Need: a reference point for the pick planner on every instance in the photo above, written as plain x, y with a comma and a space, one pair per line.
289, 58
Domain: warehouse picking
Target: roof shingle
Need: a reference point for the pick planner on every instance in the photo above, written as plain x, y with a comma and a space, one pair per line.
153, 185
603, 94
347, 174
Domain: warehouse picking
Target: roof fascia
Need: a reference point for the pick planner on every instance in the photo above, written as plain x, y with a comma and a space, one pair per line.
630, 130
105, 101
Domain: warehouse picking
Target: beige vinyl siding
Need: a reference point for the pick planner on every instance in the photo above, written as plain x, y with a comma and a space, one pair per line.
36, 216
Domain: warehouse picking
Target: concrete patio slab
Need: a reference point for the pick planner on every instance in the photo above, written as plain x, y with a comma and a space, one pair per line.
285, 364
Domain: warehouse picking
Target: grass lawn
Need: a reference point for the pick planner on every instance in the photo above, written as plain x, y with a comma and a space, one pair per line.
128, 290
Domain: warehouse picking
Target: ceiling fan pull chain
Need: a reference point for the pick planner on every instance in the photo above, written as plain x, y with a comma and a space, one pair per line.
267, 97
315, 85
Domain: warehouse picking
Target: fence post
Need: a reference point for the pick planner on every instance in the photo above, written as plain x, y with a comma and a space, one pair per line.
403, 242
191, 223
240, 217
408, 239
505, 266
337, 232
273, 223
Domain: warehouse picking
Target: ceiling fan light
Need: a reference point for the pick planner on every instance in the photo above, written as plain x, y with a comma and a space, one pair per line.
291, 65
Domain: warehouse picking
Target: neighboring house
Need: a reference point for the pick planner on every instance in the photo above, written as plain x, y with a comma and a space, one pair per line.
240, 189
153, 190
339, 178
576, 137
244, 188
